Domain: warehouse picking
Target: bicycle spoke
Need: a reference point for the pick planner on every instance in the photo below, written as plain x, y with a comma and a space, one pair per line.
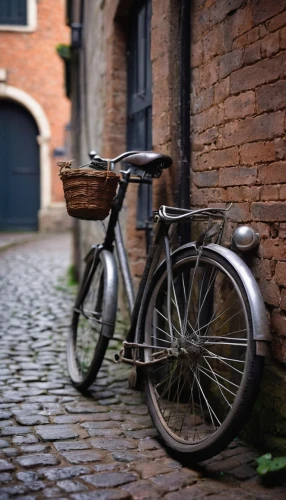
226, 335
221, 358
218, 384
205, 296
220, 326
210, 410
166, 319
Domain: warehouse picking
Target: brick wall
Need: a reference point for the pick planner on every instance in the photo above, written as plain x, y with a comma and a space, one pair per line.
165, 107
238, 126
33, 66
238, 130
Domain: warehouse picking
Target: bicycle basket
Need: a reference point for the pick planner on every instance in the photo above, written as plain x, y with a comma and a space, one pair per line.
88, 193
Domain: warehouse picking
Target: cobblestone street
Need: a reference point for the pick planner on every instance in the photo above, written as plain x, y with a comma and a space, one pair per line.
58, 443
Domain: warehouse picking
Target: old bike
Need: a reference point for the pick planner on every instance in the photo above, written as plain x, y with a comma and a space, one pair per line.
198, 329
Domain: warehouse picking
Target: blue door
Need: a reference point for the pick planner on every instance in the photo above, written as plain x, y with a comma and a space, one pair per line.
19, 168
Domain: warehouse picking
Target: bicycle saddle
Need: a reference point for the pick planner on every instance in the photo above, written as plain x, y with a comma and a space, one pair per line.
150, 162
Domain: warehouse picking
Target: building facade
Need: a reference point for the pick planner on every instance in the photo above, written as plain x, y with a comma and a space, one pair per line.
237, 129
34, 114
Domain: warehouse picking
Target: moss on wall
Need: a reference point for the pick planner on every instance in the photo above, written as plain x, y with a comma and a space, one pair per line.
267, 425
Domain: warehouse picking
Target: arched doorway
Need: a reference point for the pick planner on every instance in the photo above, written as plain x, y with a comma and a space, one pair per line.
19, 168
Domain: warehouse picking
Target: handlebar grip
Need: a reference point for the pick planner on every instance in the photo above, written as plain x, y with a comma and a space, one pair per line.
92, 153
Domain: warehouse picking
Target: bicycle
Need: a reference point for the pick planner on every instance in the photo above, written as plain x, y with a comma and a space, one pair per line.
198, 328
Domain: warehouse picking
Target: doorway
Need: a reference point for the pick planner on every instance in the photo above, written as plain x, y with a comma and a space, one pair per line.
19, 168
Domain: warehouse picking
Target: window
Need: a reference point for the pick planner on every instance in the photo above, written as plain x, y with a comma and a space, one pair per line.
13, 12
18, 15
139, 112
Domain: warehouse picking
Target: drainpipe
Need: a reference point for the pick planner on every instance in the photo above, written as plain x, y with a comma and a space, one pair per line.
185, 91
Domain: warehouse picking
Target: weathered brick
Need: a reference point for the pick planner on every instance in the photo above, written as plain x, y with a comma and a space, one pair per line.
283, 299
243, 193
221, 90
263, 230
278, 322
272, 211
269, 193
256, 152
262, 269
276, 22
212, 44
258, 128
220, 9
252, 53
278, 348
200, 23
270, 45
282, 194
205, 179
230, 62
202, 101
239, 22
280, 273
282, 230
262, 30
220, 158
270, 292
283, 38
207, 119
273, 249
198, 197
208, 195
240, 106
271, 96
272, 174
196, 54
209, 74
237, 176
207, 137
257, 74
247, 38
264, 10
240, 212
280, 147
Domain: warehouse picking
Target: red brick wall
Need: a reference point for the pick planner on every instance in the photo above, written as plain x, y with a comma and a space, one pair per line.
238, 129
165, 106
33, 66
115, 122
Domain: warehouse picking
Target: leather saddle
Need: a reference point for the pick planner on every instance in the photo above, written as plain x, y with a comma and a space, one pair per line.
149, 162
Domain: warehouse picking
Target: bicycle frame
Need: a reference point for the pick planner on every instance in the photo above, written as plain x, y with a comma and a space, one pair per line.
113, 233
165, 219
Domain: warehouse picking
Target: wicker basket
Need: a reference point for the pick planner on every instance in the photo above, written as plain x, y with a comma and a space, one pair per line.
89, 193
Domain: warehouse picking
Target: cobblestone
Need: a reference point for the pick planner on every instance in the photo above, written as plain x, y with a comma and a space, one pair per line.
58, 443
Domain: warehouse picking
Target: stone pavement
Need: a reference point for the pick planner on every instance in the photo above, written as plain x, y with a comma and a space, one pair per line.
8, 239
58, 443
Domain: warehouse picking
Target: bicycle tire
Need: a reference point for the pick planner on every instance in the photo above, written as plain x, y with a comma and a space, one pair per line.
198, 418
93, 319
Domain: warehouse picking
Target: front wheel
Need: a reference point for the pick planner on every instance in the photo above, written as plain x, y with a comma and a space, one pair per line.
201, 395
93, 319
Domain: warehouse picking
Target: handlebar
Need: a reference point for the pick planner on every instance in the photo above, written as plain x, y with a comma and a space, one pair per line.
97, 161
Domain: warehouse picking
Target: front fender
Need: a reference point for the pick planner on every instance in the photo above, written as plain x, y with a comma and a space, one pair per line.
260, 323
111, 292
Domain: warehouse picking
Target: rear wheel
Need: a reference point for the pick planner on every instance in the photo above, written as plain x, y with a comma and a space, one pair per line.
201, 395
93, 321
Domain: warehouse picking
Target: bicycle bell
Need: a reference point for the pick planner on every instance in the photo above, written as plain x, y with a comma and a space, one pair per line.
245, 238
